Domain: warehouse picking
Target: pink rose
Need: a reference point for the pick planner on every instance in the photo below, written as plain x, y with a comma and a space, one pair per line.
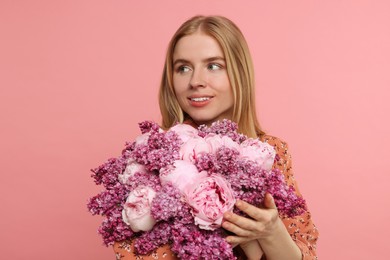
136, 210
262, 153
210, 197
131, 168
184, 131
193, 148
215, 142
180, 174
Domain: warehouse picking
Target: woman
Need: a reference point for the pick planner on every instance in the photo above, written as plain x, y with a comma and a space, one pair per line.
208, 76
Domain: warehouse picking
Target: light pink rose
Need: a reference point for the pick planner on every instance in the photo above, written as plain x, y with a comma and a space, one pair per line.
260, 152
210, 197
180, 174
184, 131
131, 168
136, 211
215, 142
193, 148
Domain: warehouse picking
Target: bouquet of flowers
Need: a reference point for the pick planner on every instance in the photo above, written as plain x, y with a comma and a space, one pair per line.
173, 187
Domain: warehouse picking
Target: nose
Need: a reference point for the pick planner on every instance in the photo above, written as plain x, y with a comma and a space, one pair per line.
198, 79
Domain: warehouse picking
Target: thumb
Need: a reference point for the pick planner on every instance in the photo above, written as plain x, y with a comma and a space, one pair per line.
269, 201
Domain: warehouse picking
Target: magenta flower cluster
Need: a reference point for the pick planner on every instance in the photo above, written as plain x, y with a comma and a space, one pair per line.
145, 188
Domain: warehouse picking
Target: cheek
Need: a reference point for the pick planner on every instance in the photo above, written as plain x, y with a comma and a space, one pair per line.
179, 86
224, 87
228, 89
220, 81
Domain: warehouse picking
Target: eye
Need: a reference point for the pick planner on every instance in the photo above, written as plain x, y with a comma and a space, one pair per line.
183, 69
214, 66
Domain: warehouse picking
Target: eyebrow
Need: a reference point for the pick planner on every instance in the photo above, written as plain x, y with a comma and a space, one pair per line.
205, 60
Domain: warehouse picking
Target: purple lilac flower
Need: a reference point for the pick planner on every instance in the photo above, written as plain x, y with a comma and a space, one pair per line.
248, 183
114, 229
108, 200
149, 241
162, 149
223, 128
148, 126
207, 162
107, 173
145, 179
190, 242
187, 241
286, 200
227, 161
216, 247
169, 204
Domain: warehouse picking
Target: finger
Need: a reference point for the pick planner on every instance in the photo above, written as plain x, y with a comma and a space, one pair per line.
236, 229
235, 240
252, 211
269, 201
233, 245
240, 221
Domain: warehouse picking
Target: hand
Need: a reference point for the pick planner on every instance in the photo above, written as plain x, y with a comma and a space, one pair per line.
262, 224
252, 250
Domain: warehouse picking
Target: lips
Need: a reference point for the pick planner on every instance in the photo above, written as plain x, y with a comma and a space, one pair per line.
199, 101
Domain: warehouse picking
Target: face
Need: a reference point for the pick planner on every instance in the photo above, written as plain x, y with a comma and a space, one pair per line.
200, 79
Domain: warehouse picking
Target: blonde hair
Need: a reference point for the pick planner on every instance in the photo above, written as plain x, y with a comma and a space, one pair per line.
239, 68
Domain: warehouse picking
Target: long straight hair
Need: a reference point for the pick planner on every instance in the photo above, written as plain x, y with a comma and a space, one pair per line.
239, 68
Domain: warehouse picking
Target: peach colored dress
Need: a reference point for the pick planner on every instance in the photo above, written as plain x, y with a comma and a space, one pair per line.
301, 228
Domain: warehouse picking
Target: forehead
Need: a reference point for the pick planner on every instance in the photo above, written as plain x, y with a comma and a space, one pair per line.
197, 46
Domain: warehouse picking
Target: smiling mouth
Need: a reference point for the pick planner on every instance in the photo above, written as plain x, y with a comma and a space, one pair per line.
200, 99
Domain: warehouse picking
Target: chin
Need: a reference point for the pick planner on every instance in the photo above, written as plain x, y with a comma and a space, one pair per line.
202, 121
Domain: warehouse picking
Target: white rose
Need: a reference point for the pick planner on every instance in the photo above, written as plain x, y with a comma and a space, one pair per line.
136, 211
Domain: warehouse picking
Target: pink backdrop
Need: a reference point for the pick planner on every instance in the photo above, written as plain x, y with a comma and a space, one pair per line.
77, 76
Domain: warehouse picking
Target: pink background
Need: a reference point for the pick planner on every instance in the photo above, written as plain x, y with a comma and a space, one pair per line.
77, 76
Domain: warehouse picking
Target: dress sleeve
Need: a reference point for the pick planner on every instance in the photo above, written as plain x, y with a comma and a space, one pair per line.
301, 228
124, 250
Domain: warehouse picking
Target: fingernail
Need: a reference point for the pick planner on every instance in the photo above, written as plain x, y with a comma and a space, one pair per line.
238, 203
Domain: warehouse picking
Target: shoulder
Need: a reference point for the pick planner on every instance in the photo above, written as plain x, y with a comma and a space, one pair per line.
280, 146
283, 158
